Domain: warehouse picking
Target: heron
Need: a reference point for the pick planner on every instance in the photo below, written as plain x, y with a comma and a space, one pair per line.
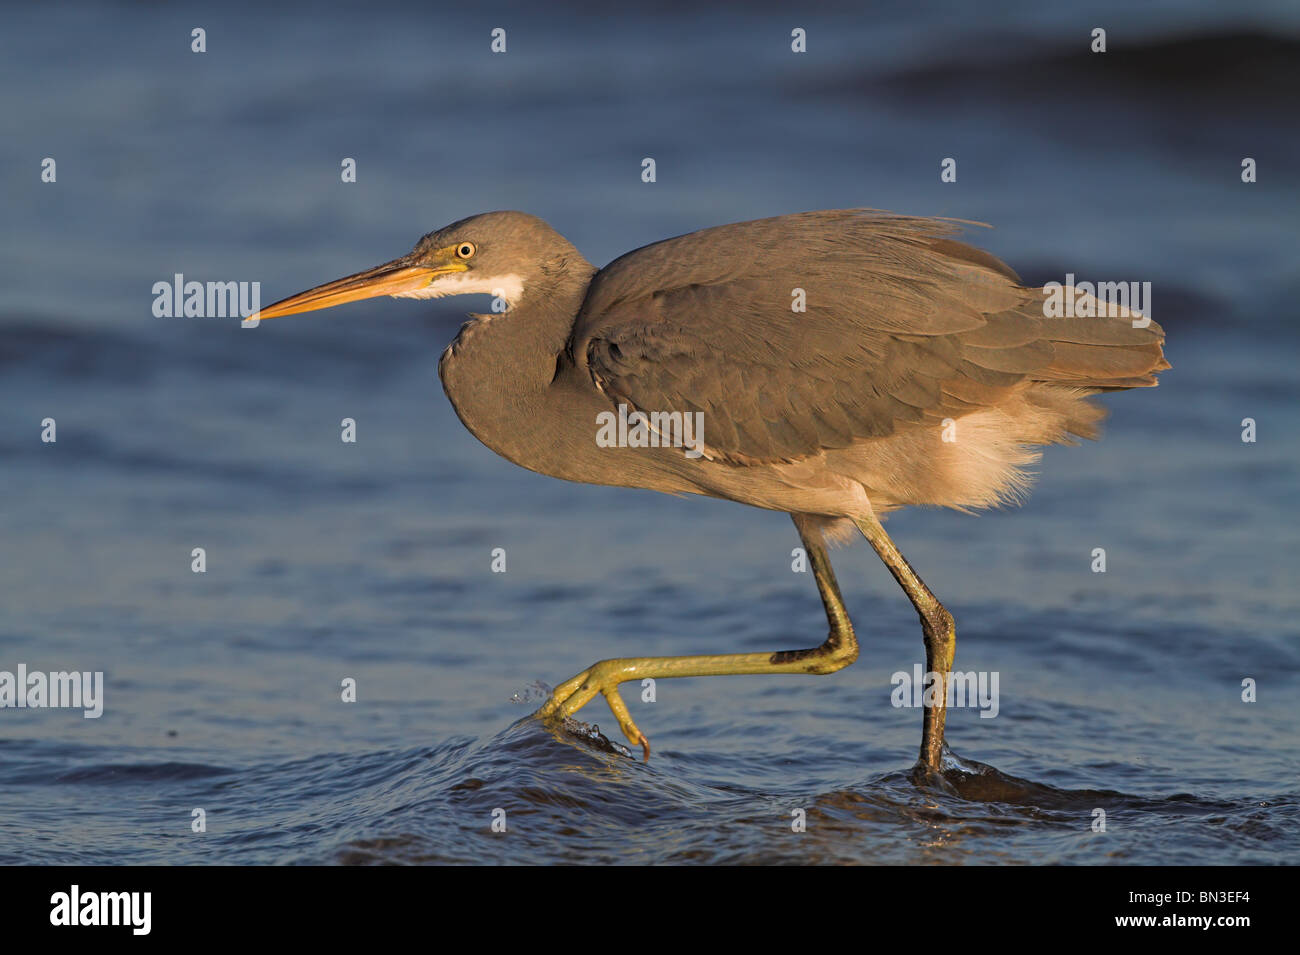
840, 364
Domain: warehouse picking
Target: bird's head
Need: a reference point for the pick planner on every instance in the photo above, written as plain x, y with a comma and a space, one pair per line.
496, 253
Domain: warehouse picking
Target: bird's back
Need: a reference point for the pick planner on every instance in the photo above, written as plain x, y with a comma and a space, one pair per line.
855, 345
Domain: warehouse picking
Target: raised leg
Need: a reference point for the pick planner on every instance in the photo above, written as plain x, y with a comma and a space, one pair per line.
839, 650
937, 627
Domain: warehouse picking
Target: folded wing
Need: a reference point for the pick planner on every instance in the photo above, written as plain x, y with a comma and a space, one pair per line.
901, 328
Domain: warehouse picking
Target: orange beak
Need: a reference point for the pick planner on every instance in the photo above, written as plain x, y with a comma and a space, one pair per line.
392, 278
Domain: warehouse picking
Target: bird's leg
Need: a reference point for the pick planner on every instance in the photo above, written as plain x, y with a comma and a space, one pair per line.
936, 625
839, 650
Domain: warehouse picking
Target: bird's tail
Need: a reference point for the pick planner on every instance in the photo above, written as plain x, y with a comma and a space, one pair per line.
1098, 345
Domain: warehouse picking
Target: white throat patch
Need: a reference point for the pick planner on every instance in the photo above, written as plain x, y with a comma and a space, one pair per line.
507, 287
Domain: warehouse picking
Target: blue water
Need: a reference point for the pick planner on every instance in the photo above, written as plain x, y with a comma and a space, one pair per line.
371, 561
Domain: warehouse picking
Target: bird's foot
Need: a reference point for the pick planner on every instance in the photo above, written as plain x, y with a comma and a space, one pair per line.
604, 678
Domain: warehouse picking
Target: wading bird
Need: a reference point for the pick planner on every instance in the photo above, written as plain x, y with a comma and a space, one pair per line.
919, 371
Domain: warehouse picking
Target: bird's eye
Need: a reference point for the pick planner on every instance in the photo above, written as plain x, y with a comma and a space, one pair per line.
465, 250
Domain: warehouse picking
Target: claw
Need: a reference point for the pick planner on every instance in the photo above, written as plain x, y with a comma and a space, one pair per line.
575, 693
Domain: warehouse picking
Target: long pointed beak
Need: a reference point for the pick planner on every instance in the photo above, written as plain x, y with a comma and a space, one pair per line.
391, 278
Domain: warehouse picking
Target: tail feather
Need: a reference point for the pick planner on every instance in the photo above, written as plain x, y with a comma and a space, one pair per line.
1119, 348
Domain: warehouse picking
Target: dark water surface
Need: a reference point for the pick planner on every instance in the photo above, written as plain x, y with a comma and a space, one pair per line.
371, 561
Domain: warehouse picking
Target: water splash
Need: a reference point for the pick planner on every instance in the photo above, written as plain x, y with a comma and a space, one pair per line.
535, 692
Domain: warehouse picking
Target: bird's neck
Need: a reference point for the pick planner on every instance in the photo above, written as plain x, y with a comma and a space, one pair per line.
499, 370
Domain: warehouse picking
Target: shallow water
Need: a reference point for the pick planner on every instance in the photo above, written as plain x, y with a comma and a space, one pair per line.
1118, 691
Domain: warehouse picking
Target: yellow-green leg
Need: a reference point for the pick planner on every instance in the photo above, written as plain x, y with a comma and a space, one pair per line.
937, 627
839, 650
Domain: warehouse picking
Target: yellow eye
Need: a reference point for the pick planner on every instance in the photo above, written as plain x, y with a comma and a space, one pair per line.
465, 250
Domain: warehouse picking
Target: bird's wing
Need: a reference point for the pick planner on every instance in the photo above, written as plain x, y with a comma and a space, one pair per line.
902, 327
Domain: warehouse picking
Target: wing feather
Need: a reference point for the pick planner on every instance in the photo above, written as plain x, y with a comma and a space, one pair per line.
903, 326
